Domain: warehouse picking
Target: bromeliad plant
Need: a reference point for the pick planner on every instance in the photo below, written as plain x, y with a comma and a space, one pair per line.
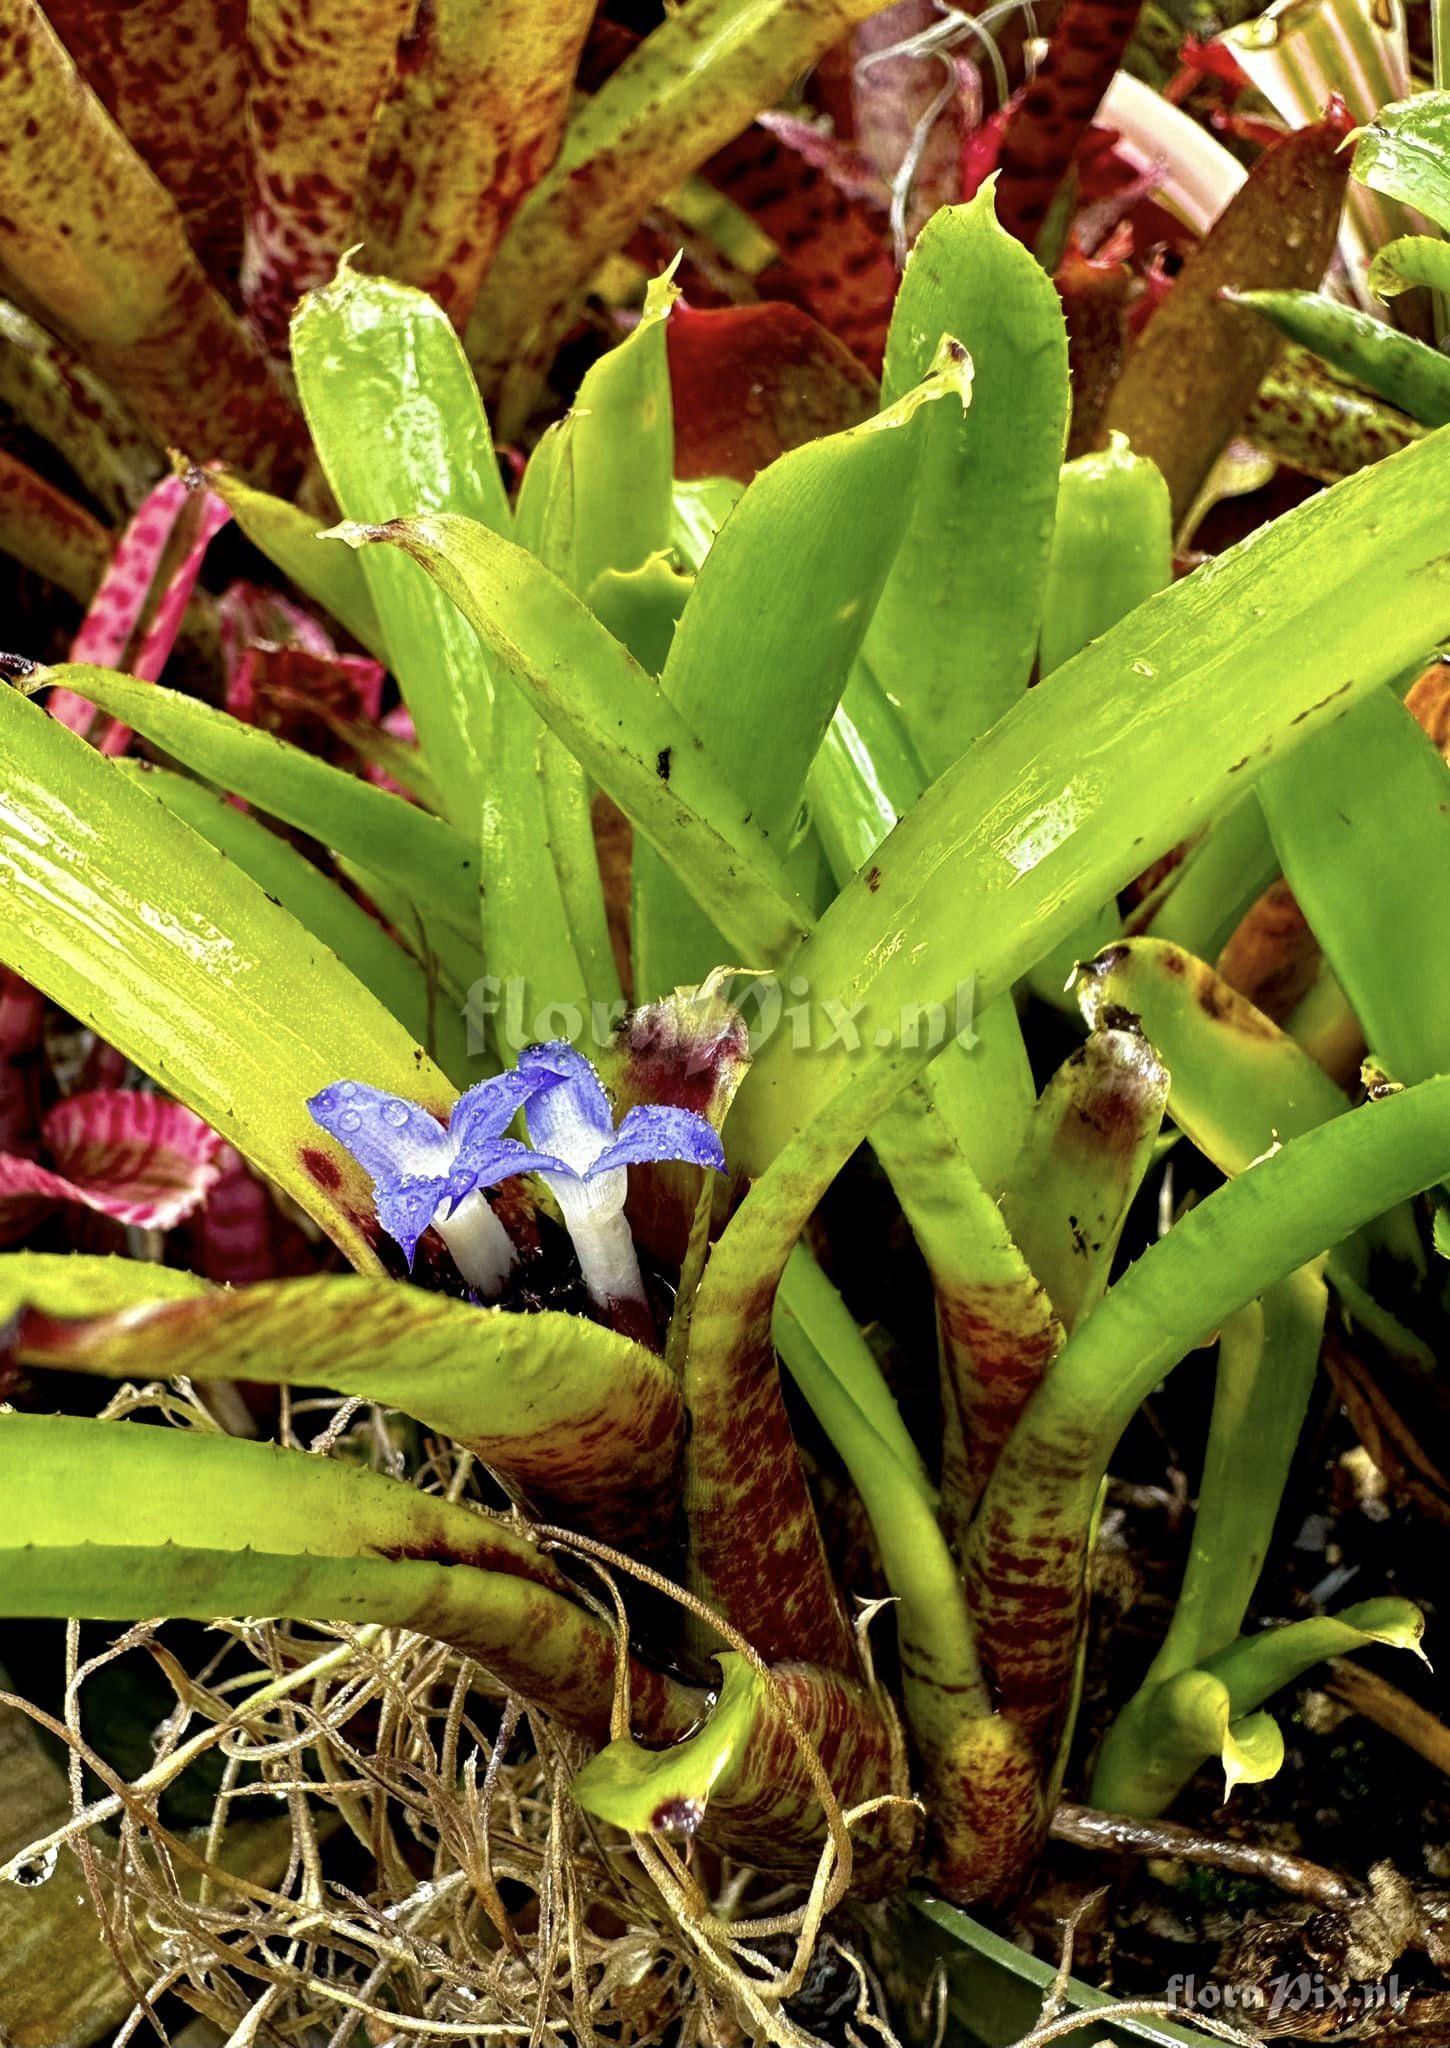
815, 717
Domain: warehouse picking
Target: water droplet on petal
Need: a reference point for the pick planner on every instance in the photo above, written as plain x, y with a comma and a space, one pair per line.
345, 1090
396, 1114
349, 1121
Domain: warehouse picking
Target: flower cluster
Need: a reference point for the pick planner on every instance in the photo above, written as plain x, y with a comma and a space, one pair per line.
424, 1174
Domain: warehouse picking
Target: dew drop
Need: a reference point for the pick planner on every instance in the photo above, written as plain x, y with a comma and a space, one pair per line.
396, 1114
1144, 668
345, 1090
349, 1121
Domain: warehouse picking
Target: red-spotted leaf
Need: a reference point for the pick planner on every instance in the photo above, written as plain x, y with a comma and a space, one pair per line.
172, 75
473, 119
103, 251
137, 1158
319, 69
113, 634
1054, 111
48, 532
589, 1424
835, 261
752, 382
689, 1051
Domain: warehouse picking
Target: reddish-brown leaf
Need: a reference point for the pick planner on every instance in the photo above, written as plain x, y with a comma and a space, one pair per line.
750, 382
472, 122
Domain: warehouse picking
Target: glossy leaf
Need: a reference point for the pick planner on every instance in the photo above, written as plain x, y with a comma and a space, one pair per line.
399, 428
1277, 1216
1373, 797
326, 910
615, 722
776, 618
293, 542
473, 118
1139, 738
104, 255
953, 638
422, 855
136, 926
1199, 361
1088, 1146
1411, 260
586, 1421
1405, 152
1112, 547
107, 1519
1396, 366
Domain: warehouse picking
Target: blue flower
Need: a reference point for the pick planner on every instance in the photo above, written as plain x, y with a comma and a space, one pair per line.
583, 1159
423, 1174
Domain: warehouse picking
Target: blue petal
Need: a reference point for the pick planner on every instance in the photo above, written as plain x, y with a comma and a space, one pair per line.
570, 1114
653, 1131
407, 1206
391, 1138
490, 1160
488, 1108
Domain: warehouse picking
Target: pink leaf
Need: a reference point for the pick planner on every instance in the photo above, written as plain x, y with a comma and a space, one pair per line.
137, 1158
112, 634
239, 1235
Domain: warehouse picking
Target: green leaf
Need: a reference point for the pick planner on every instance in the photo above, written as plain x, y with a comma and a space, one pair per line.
1112, 547
646, 1789
1026, 1555
1128, 748
616, 723
690, 87
292, 540
1268, 1354
117, 1521
1168, 1730
138, 927
63, 1284
1399, 368
1361, 823
426, 858
953, 638
1088, 1146
1238, 1084
582, 1418
611, 460
1405, 152
327, 911
996, 1991
777, 615
399, 427
1408, 261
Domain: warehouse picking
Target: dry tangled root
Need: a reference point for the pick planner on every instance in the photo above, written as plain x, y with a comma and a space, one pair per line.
393, 1856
